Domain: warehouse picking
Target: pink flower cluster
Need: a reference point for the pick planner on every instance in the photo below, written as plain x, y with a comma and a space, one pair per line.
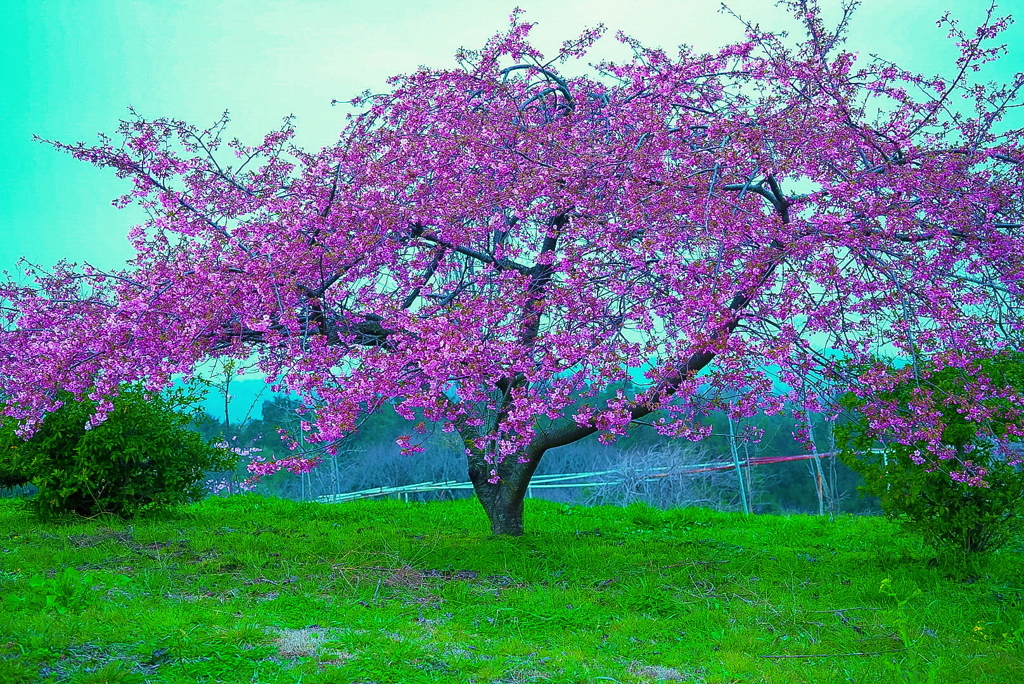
259, 467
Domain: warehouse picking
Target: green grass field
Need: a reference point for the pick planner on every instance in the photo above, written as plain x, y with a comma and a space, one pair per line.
248, 589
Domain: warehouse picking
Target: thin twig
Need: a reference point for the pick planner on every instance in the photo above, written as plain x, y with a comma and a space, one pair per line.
836, 655
677, 565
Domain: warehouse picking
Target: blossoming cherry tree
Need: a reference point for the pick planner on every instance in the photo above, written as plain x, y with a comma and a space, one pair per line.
490, 248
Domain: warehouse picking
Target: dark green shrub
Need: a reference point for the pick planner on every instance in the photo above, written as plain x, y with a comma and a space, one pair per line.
11, 473
9, 478
142, 455
925, 498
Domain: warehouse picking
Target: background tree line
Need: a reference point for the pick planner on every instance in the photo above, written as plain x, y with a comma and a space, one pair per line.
371, 458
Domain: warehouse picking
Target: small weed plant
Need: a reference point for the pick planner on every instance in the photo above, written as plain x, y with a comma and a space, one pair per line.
67, 591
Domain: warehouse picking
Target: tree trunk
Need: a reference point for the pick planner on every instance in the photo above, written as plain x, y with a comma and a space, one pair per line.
503, 500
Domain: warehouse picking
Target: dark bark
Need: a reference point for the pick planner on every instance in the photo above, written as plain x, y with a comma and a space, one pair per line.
502, 501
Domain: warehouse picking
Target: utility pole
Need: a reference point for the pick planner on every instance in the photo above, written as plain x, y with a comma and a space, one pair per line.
817, 471
736, 462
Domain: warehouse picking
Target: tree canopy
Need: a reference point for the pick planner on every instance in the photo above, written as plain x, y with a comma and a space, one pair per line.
489, 246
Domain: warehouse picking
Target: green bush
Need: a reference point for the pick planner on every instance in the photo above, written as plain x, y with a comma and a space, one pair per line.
142, 455
925, 498
945, 512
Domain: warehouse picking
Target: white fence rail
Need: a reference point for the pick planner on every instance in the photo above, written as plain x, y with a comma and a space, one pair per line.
565, 480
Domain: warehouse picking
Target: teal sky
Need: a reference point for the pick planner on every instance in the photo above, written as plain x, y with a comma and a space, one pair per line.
70, 68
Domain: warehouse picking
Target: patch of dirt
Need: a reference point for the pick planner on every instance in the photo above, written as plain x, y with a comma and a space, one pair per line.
102, 534
657, 673
307, 643
410, 577
300, 643
269, 596
404, 576
153, 550
504, 581
452, 574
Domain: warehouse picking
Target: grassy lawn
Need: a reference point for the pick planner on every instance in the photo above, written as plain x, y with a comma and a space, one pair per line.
248, 589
